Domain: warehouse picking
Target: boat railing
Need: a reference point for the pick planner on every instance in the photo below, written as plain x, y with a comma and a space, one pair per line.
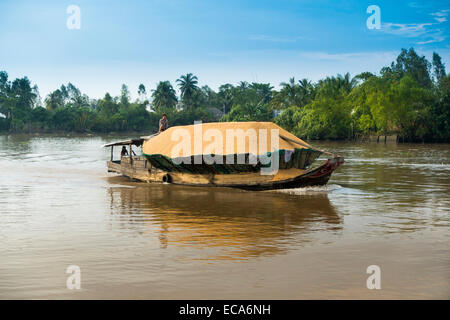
135, 161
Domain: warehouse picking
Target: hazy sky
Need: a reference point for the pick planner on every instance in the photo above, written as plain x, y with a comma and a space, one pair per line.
221, 42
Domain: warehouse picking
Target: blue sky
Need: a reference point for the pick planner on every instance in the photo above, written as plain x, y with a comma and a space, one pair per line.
221, 42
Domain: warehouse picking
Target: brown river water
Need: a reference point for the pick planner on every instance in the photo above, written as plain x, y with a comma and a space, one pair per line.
388, 205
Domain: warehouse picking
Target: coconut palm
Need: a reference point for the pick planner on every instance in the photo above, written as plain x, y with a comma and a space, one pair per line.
187, 85
164, 97
243, 85
305, 85
26, 94
306, 91
289, 93
226, 97
346, 82
337, 85
264, 90
81, 101
54, 100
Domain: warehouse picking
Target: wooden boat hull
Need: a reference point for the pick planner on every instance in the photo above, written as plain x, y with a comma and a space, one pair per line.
315, 177
140, 169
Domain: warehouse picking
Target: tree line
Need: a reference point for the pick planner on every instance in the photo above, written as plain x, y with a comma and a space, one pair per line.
410, 97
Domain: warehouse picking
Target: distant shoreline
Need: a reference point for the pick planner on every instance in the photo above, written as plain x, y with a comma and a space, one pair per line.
63, 134
76, 134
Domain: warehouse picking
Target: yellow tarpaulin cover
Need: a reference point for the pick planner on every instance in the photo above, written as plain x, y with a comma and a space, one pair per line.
222, 138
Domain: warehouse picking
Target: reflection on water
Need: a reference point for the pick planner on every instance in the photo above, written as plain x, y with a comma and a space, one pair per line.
237, 224
387, 205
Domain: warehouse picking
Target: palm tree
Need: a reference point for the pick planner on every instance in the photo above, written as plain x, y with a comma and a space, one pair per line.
290, 93
187, 85
334, 86
22, 89
306, 90
305, 85
243, 85
264, 90
79, 101
226, 96
164, 97
346, 82
54, 100
227, 101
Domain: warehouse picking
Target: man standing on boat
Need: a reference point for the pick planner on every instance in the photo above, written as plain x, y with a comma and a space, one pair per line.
163, 123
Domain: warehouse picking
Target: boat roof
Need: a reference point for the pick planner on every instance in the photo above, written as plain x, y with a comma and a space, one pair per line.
169, 140
136, 142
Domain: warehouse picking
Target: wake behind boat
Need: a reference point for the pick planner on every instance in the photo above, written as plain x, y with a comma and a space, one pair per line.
246, 155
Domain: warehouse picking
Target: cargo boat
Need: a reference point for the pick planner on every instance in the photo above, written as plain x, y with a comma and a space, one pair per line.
245, 165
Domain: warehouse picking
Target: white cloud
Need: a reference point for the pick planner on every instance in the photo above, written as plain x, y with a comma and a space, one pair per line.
410, 30
434, 37
441, 16
441, 13
426, 32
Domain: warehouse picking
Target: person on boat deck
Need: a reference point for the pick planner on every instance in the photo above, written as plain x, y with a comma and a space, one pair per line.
163, 123
124, 152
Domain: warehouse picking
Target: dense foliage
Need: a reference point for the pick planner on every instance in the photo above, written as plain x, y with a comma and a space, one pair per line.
411, 98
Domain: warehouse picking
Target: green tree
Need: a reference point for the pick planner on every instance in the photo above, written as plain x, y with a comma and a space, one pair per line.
41, 118
188, 86
364, 76
307, 91
438, 68
124, 97
5, 92
108, 106
440, 112
164, 97
22, 98
249, 112
54, 100
289, 94
410, 63
328, 116
225, 96
243, 85
63, 119
263, 90
287, 118
142, 92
